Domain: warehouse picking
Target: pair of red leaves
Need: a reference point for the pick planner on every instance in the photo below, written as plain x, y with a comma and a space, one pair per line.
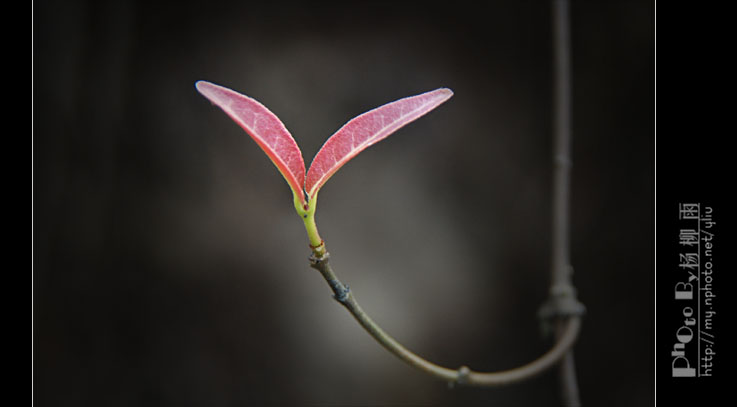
359, 133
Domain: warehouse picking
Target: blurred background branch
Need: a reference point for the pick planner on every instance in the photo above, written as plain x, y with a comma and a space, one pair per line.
562, 288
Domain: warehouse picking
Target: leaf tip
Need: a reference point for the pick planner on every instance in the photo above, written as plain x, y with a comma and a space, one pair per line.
446, 92
204, 87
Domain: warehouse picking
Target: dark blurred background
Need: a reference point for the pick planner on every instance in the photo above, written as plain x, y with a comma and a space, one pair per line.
171, 270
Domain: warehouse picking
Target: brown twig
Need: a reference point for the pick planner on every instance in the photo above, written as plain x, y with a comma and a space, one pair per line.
463, 375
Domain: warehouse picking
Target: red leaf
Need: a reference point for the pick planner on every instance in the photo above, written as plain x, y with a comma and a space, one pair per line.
264, 128
366, 130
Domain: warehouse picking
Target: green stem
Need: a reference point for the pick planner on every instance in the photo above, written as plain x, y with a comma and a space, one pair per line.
307, 213
463, 375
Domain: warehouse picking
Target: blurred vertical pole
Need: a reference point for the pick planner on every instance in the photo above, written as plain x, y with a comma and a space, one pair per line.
561, 265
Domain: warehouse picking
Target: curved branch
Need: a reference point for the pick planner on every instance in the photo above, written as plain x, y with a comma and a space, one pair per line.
462, 375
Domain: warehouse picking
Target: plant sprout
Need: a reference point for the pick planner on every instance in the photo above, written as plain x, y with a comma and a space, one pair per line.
356, 135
